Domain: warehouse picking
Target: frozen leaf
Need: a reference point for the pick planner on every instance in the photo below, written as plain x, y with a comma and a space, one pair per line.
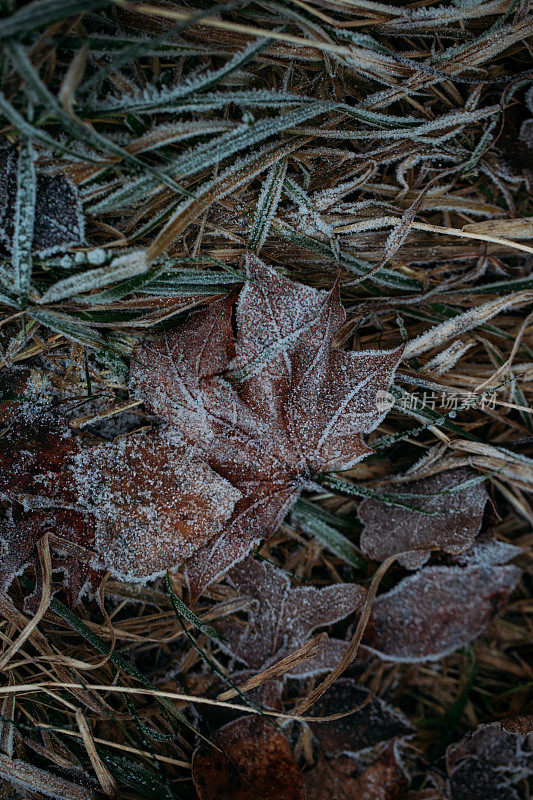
253, 760
268, 408
487, 551
375, 722
58, 220
439, 609
484, 763
140, 502
153, 502
282, 619
457, 521
339, 778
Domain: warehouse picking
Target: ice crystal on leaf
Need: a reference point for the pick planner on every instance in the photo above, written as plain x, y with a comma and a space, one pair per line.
373, 723
281, 619
340, 779
138, 504
249, 420
439, 609
454, 524
267, 408
484, 762
373, 733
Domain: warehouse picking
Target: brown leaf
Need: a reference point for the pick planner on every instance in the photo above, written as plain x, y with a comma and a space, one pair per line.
140, 502
339, 779
375, 722
483, 763
393, 529
152, 500
268, 408
282, 619
253, 762
439, 609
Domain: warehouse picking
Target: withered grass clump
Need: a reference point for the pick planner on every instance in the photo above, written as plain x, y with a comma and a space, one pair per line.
387, 146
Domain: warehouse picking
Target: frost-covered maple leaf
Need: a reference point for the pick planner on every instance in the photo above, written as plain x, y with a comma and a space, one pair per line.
453, 525
140, 503
58, 222
282, 619
268, 407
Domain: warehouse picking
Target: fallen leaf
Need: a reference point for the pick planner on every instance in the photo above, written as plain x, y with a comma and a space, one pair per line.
282, 619
484, 762
375, 722
439, 609
487, 551
268, 408
394, 529
139, 503
152, 500
59, 222
253, 762
339, 778
332, 779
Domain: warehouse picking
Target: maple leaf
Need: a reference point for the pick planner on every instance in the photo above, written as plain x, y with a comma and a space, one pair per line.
482, 764
437, 610
282, 619
268, 408
251, 760
58, 222
139, 503
455, 522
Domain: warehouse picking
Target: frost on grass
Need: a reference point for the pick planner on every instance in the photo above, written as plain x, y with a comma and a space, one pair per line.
439, 609
268, 408
281, 619
457, 521
488, 761
373, 723
58, 220
250, 759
